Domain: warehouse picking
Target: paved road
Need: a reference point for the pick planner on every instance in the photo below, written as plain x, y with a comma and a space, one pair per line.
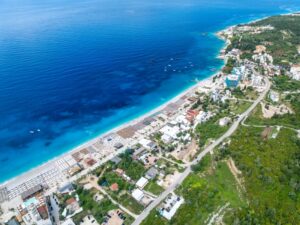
188, 170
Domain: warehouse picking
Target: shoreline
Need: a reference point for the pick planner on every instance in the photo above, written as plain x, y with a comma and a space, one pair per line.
31, 173
39, 168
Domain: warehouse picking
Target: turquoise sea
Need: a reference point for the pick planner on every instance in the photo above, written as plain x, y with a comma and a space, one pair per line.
71, 70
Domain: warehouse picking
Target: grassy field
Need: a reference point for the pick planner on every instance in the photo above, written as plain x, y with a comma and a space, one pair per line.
168, 167
289, 120
209, 130
153, 187
111, 178
134, 169
284, 83
130, 203
98, 210
248, 93
204, 192
238, 106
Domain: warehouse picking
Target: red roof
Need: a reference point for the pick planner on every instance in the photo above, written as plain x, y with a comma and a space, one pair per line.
114, 187
70, 201
43, 211
90, 161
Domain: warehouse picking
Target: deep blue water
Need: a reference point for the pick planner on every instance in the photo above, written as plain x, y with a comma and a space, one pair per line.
75, 69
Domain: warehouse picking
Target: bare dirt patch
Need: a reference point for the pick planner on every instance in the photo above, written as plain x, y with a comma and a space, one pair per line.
270, 110
187, 153
236, 173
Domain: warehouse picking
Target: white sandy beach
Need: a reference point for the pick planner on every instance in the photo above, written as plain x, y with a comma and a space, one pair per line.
51, 163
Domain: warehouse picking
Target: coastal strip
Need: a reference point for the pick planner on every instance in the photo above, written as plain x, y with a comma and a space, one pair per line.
86, 157
102, 148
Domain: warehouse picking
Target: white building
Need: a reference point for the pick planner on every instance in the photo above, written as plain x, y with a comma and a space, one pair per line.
181, 119
137, 194
263, 59
169, 133
35, 211
274, 96
142, 182
170, 205
147, 144
166, 138
215, 95
203, 116
295, 72
224, 121
257, 81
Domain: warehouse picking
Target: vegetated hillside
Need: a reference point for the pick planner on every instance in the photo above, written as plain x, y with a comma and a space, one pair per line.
282, 42
270, 165
271, 173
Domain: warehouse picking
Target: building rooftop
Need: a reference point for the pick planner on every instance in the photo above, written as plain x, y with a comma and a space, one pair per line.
114, 187
142, 182
137, 194
116, 160
29, 193
151, 173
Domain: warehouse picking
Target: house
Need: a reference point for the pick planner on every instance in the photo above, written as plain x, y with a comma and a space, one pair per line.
147, 144
142, 182
114, 187
137, 194
72, 205
191, 115
151, 173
